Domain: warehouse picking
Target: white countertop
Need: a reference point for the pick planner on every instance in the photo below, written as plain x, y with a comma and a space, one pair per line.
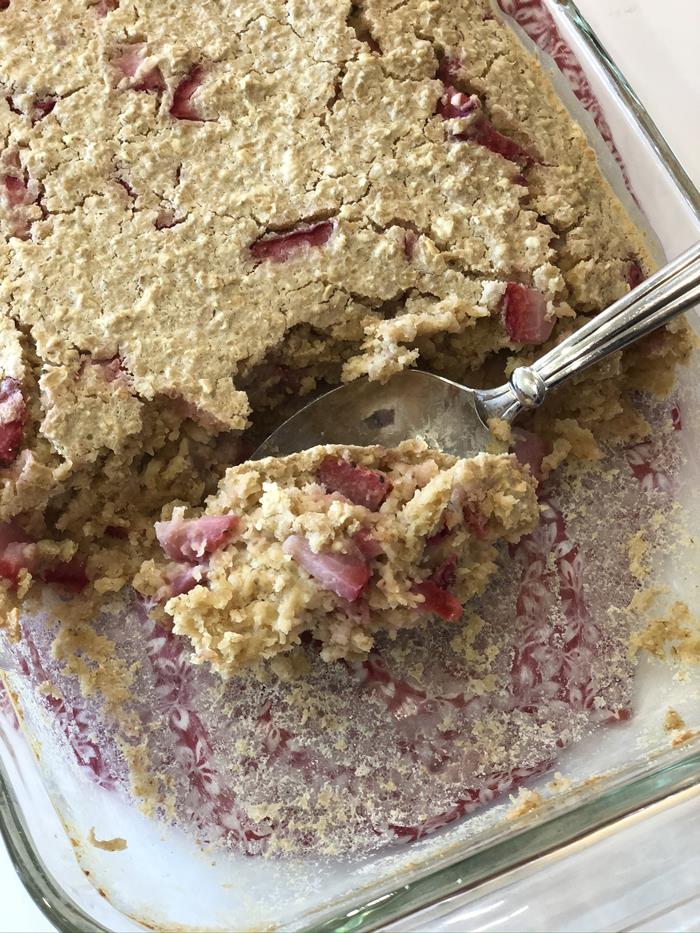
655, 44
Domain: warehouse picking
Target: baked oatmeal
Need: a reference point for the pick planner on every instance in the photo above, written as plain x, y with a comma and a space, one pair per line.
338, 543
209, 210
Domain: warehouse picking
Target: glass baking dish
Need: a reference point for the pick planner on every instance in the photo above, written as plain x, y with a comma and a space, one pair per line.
92, 861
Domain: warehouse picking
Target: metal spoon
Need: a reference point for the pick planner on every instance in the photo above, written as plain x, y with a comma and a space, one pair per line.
453, 417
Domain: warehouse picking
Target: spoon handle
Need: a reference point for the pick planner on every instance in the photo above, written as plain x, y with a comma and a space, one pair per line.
673, 289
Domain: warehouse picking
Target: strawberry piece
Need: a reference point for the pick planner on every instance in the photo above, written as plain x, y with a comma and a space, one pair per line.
367, 544
182, 107
110, 370
17, 194
14, 558
449, 70
410, 238
343, 574
128, 187
167, 219
280, 247
437, 601
17, 552
10, 440
11, 533
42, 108
485, 134
476, 520
439, 536
179, 579
361, 485
191, 539
16, 190
129, 63
525, 314
635, 274
530, 450
103, 7
69, 574
445, 575
453, 104
13, 415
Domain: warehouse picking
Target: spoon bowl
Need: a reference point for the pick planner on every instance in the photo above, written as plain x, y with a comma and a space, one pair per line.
412, 403
453, 417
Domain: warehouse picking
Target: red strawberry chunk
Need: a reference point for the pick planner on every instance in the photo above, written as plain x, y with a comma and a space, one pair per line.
485, 134
476, 520
525, 314
103, 7
69, 574
42, 108
410, 238
15, 557
439, 536
359, 484
530, 450
345, 575
183, 107
366, 544
13, 414
449, 70
280, 247
179, 579
635, 274
129, 64
11, 533
437, 601
191, 539
166, 219
16, 190
446, 574
17, 552
453, 104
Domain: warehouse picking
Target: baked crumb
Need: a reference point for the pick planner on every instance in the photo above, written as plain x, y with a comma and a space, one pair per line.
675, 635
107, 845
672, 721
524, 802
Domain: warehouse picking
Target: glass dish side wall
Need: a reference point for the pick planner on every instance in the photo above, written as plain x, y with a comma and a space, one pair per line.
366, 896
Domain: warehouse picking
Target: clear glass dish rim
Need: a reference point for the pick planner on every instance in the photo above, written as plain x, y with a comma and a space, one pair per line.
632, 790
